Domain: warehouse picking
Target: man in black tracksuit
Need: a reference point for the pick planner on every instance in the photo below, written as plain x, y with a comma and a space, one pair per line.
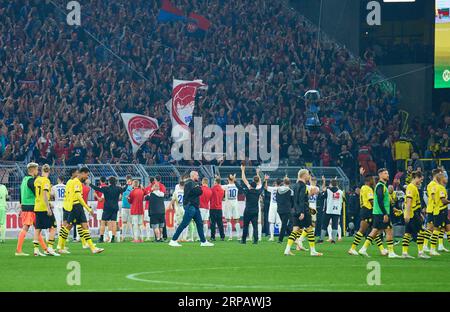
191, 203
284, 206
251, 211
112, 194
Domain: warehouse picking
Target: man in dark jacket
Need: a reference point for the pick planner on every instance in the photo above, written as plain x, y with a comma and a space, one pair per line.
251, 210
191, 202
301, 217
284, 207
112, 194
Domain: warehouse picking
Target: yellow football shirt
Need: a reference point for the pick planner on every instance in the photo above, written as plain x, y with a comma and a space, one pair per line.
431, 191
365, 196
413, 193
441, 192
41, 185
76, 195
67, 202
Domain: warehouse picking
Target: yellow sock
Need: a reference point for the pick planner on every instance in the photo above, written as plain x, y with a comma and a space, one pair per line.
312, 243
368, 242
357, 240
379, 242
390, 244
448, 236
36, 246
81, 234
304, 233
434, 239
88, 239
63, 234
441, 237
405, 243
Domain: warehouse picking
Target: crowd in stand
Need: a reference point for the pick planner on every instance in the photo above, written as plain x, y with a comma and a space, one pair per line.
62, 88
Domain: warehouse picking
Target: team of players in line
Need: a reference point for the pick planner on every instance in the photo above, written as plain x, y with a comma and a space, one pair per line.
289, 205
427, 225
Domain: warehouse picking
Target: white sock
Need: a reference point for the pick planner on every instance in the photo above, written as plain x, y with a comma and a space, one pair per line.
259, 231
272, 229
135, 232
238, 229
329, 229
147, 230
205, 229
250, 231
229, 230
339, 232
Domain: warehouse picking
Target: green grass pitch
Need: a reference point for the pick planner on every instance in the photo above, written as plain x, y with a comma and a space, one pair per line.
228, 266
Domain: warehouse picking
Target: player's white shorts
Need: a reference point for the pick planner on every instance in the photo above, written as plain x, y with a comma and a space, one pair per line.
126, 215
99, 213
179, 214
58, 212
137, 219
273, 217
205, 214
231, 210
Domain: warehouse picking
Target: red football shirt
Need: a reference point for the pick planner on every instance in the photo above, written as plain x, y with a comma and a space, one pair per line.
217, 197
136, 199
100, 204
205, 198
86, 190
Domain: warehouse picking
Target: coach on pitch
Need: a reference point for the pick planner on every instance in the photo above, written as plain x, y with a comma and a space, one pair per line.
191, 203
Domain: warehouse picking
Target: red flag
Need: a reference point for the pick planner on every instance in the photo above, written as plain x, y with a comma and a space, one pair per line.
202, 22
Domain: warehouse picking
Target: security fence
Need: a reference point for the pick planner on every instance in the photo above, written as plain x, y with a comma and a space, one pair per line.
11, 174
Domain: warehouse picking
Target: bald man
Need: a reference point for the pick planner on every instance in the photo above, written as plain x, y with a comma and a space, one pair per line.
191, 203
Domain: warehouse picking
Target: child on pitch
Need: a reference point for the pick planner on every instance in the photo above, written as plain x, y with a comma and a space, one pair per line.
157, 211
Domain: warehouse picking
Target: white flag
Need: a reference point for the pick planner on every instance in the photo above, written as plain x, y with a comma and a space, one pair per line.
181, 107
140, 128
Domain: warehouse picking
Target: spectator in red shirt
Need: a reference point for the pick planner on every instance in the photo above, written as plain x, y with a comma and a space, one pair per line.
136, 199
217, 194
205, 199
325, 157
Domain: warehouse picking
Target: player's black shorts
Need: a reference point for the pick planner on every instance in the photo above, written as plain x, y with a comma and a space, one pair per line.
441, 219
415, 224
305, 223
65, 214
430, 217
379, 224
366, 215
77, 215
44, 221
159, 218
109, 215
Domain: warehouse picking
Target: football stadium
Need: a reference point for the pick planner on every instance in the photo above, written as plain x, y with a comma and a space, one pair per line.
211, 146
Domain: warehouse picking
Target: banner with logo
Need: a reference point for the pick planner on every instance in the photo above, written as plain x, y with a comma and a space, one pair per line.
181, 107
140, 128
